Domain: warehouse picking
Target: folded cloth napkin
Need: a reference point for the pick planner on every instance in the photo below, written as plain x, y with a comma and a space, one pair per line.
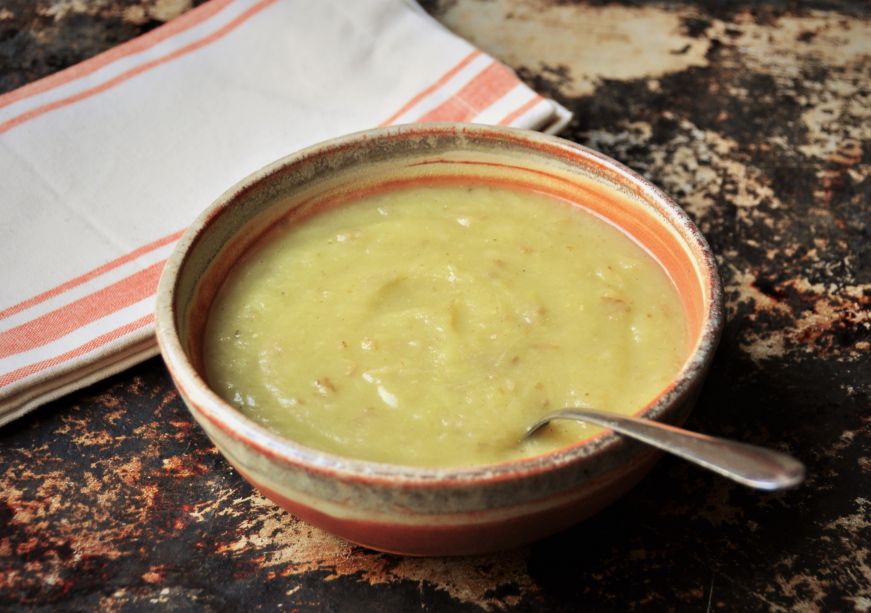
105, 163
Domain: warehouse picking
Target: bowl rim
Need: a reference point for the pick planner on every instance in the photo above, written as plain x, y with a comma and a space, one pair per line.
203, 401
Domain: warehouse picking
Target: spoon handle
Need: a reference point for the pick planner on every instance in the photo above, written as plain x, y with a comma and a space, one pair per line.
749, 465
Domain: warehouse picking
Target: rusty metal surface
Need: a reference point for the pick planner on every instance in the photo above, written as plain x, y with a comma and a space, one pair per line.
756, 119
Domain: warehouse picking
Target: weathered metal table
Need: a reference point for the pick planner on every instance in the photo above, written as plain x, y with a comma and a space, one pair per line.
756, 119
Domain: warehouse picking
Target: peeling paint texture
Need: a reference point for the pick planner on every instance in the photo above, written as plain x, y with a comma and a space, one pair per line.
755, 117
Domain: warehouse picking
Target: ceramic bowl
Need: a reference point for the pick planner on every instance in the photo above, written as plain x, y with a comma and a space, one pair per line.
427, 511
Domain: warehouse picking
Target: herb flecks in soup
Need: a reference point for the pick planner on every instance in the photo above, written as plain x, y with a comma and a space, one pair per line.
433, 325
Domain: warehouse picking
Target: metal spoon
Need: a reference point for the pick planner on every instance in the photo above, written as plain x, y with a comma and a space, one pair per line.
750, 465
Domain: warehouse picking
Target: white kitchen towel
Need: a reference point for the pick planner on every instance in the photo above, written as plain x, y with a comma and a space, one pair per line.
105, 163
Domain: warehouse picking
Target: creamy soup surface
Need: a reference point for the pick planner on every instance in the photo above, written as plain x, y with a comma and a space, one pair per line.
432, 325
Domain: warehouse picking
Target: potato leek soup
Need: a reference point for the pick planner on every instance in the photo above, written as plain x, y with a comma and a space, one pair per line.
432, 325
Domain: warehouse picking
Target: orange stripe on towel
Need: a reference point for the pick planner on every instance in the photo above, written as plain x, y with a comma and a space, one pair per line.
486, 88
17, 308
216, 35
25, 371
141, 43
506, 121
441, 81
62, 321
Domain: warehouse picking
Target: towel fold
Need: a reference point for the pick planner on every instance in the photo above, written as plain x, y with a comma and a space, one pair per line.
106, 162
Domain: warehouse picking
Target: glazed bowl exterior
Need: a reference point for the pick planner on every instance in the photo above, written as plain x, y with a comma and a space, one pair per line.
432, 511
